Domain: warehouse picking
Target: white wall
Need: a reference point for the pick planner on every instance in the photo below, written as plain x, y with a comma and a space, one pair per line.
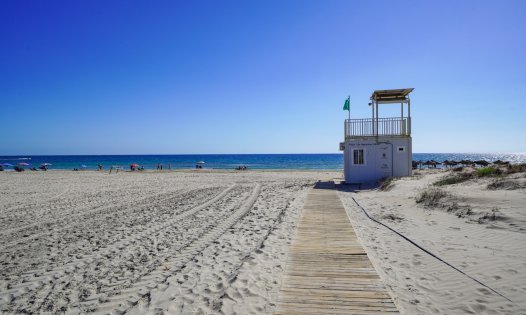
382, 158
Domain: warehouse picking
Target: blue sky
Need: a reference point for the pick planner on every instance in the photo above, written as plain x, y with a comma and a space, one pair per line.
125, 77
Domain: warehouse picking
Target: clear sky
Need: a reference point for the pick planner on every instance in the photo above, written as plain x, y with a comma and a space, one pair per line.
154, 77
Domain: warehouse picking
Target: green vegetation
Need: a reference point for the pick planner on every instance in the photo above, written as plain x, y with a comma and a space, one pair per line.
438, 198
451, 180
487, 171
386, 183
431, 197
494, 215
516, 168
500, 184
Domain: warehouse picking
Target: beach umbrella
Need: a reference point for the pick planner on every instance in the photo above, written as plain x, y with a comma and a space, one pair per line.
499, 162
7, 164
449, 163
482, 163
201, 162
83, 166
46, 164
134, 165
466, 162
23, 164
431, 163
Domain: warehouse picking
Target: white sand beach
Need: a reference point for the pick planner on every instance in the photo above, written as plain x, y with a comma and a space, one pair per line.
216, 242
188, 242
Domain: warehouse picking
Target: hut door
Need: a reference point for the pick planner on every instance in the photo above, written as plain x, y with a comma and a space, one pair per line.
385, 160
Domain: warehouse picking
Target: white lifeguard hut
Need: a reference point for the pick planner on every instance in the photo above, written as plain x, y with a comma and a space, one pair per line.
376, 148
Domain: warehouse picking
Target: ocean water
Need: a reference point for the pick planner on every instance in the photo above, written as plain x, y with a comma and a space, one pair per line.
230, 161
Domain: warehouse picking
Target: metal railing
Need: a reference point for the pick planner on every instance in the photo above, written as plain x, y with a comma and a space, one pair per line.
368, 127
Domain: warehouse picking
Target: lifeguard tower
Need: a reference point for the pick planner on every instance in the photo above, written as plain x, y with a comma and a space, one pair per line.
376, 148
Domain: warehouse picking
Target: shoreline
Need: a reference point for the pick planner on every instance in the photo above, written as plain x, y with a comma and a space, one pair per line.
182, 170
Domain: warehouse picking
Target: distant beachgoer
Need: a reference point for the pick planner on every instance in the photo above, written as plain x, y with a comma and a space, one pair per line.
161, 167
158, 166
100, 167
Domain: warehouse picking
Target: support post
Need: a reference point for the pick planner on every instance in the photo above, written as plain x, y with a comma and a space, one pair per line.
408, 116
376, 122
372, 118
402, 125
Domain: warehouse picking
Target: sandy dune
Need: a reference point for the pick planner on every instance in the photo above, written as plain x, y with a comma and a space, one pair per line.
460, 230
175, 242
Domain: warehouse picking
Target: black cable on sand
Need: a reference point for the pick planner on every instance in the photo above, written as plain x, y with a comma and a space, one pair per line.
430, 253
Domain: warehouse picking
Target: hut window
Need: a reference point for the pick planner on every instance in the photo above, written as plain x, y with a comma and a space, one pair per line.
358, 157
401, 149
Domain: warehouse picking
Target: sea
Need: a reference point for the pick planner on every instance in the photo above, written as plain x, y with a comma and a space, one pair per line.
231, 161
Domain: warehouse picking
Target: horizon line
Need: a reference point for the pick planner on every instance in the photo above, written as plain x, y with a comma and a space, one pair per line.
128, 154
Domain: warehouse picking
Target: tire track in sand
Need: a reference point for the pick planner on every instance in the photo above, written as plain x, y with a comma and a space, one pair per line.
142, 202
129, 297
35, 280
33, 204
84, 211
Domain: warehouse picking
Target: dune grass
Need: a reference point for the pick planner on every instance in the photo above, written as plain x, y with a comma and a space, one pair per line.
431, 197
450, 180
487, 171
386, 183
501, 184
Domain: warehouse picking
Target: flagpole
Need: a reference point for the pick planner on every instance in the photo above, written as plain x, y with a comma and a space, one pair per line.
349, 110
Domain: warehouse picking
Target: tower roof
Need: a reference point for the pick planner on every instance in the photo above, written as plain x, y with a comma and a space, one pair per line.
391, 96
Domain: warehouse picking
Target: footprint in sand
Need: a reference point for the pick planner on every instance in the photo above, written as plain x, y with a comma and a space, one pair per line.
484, 291
478, 307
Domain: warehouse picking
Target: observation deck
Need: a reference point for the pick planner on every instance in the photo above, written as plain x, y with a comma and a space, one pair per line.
376, 126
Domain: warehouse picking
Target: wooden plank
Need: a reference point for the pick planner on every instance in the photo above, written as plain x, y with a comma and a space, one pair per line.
328, 271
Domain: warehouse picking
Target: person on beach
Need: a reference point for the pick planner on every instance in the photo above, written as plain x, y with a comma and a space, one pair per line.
100, 167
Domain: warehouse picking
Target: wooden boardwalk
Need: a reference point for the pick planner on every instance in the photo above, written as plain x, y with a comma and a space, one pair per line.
328, 271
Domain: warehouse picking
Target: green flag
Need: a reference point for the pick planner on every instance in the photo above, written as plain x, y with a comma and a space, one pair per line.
347, 104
